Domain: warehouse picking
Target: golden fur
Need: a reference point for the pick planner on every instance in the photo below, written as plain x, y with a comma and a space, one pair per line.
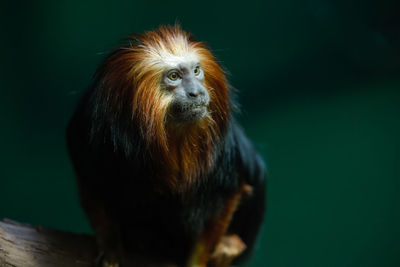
185, 152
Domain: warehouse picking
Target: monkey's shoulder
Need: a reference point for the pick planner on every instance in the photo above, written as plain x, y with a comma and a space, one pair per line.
249, 162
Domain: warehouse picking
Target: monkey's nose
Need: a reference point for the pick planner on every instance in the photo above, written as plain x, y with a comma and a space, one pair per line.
194, 92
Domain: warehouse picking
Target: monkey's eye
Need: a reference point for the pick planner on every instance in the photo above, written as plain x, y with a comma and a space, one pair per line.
173, 76
197, 70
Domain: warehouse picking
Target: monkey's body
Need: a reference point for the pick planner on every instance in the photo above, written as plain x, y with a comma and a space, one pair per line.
137, 203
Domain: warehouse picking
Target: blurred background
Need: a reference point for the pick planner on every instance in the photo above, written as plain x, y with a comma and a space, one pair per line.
319, 87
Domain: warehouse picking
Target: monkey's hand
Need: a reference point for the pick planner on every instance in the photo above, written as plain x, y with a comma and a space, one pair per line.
110, 252
110, 264
229, 247
105, 260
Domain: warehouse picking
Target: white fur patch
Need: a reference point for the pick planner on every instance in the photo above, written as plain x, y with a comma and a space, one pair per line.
173, 61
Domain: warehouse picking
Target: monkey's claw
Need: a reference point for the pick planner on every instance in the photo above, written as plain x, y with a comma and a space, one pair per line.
103, 260
110, 264
230, 247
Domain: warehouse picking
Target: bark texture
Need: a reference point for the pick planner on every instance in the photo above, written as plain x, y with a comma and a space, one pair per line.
24, 245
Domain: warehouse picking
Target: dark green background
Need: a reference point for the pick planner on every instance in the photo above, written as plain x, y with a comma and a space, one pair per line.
319, 85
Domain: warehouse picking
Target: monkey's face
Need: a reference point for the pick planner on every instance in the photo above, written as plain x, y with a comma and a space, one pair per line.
184, 80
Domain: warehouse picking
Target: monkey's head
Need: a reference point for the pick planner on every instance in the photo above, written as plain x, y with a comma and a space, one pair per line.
177, 76
163, 82
184, 80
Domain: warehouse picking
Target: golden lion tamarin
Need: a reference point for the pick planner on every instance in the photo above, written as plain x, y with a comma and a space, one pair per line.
163, 169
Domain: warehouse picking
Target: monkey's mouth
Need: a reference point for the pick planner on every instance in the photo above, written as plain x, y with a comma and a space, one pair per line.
195, 112
198, 108
190, 112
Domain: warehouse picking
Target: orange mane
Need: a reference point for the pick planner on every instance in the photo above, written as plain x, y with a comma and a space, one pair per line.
184, 152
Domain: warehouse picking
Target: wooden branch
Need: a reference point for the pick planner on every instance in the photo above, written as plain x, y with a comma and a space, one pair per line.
22, 245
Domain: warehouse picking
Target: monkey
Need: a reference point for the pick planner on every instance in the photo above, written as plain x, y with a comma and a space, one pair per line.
164, 171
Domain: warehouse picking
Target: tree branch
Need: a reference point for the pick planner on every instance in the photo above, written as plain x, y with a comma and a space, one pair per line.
24, 245
27, 246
